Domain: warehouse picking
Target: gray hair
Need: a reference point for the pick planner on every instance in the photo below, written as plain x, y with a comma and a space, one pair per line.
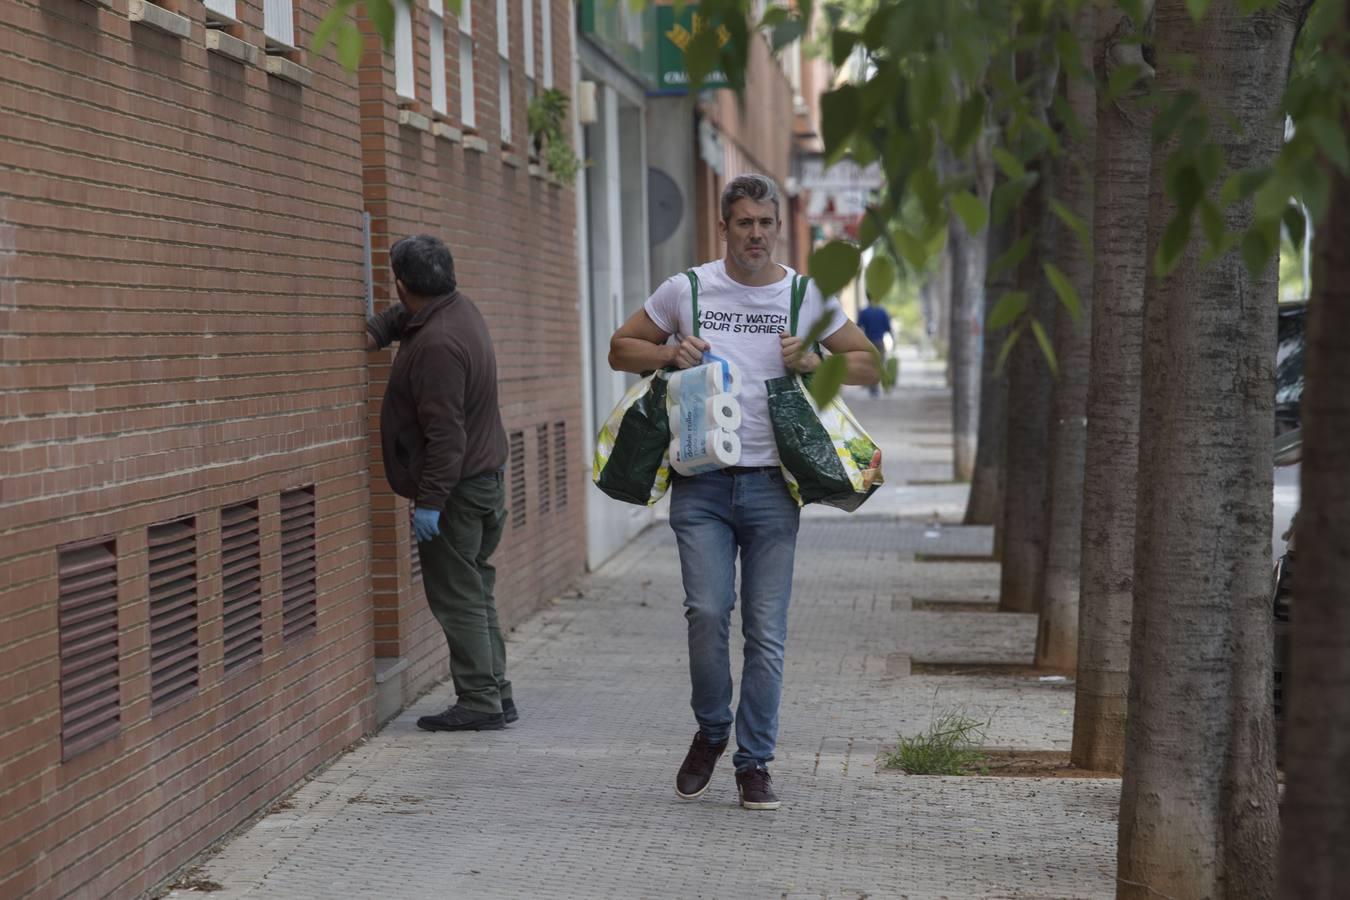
760, 188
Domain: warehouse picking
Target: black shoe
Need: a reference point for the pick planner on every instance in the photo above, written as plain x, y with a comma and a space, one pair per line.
509, 713
698, 767
457, 718
756, 789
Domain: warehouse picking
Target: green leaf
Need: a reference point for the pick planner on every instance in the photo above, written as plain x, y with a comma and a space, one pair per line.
834, 266
969, 124
1171, 118
827, 379
350, 45
1331, 139
842, 43
839, 114
1175, 236
1122, 81
774, 16
890, 373
1014, 255
328, 27
1047, 350
974, 214
880, 278
1008, 343
1011, 165
1007, 309
1295, 224
817, 330
911, 248
1243, 184
1065, 290
1212, 221
1008, 194
787, 32
1197, 8
1257, 249
381, 14
1074, 223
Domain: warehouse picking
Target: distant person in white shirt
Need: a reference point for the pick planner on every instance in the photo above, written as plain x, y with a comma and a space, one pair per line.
744, 303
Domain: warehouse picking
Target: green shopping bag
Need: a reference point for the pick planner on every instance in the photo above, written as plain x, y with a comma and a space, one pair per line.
632, 461
632, 451
826, 455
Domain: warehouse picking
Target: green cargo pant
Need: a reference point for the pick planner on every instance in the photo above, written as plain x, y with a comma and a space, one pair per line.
459, 584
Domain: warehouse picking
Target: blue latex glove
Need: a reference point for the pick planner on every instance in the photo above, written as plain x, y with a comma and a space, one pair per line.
426, 523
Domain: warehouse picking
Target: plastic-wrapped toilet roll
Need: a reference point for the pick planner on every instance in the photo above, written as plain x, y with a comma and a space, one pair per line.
694, 454
724, 411
731, 374
699, 380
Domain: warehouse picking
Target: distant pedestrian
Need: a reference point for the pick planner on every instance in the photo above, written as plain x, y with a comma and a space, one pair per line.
445, 448
875, 322
744, 303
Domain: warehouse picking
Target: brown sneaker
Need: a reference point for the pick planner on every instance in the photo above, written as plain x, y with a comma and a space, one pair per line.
756, 789
697, 769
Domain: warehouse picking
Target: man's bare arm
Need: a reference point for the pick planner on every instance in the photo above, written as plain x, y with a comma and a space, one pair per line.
640, 346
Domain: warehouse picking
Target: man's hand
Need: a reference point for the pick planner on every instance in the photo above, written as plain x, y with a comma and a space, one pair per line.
371, 344
689, 352
795, 355
426, 523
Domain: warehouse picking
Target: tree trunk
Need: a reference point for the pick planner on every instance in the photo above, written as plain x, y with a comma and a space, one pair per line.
1317, 767
1030, 385
1057, 634
985, 504
1111, 463
968, 264
967, 253
1198, 811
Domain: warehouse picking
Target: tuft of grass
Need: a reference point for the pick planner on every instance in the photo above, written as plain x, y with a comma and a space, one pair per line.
950, 746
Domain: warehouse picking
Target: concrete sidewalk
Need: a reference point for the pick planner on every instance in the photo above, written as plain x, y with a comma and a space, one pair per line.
577, 799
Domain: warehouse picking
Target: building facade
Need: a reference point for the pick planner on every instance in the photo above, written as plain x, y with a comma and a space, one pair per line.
206, 590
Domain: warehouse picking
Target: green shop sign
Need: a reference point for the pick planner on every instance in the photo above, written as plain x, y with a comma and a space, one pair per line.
674, 32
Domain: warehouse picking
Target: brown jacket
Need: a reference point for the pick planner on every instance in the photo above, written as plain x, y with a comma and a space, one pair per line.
439, 422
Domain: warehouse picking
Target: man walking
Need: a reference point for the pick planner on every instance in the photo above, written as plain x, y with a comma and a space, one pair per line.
444, 449
875, 323
744, 305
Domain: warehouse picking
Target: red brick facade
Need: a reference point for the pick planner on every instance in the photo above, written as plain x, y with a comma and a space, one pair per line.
181, 305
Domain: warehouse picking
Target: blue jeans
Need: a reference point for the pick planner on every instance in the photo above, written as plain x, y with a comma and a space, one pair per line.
713, 516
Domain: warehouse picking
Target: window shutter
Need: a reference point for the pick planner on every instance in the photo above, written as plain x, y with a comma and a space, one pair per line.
517, 444
545, 480
299, 564
87, 623
241, 575
560, 472
174, 657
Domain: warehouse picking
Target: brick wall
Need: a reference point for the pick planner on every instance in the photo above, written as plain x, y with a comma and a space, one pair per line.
180, 332
513, 235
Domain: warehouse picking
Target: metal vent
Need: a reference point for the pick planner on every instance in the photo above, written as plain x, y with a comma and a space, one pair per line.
241, 577
517, 444
299, 564
174, 658
87, 621
541, 450
560, 472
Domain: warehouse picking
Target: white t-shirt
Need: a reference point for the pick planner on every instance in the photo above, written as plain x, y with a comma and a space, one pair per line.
742, 324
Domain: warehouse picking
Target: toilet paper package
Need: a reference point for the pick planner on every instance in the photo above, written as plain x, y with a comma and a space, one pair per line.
694, 454
704, 415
